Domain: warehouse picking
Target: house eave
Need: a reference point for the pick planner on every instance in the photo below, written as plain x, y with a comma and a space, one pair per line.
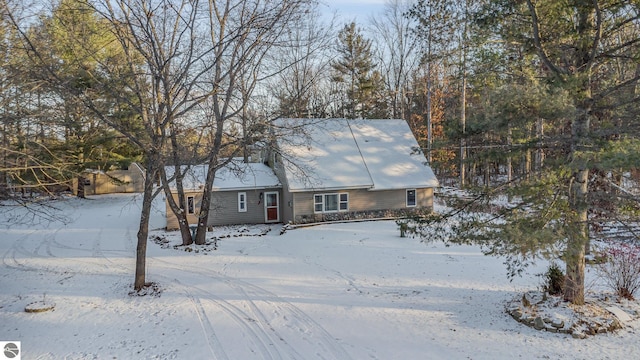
247, 188
243, 188
419, 186
335, 188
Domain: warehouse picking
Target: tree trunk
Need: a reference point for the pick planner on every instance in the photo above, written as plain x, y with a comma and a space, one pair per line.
578, 241
463, 123
574, 258
181, 214
487, 173
178, 208
527, 164
143, 230
429, 111
539, 156
509, 149
141, 249
80, 187
206, 203
486, 166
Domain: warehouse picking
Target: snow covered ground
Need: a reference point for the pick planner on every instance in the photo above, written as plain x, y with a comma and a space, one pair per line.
341, 291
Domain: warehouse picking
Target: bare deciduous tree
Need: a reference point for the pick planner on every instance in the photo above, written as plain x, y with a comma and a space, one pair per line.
158, 79
397, 52
243, 34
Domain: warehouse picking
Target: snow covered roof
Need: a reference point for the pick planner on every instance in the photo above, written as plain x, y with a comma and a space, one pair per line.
321, 154
342, 154
237, 175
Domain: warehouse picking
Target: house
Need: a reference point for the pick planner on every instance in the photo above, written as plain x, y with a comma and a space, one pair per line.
339, 169
320, 170
243, 193
127, 180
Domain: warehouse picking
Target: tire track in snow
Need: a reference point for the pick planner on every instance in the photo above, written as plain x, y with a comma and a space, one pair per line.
267, 334
60, 245
304, 323
12, 261
263, 344
96, 247
46, 243
98, 251
312, 332
351, 281
129, 244
212, 340
266, 347
50, 240
21, 248
9, 258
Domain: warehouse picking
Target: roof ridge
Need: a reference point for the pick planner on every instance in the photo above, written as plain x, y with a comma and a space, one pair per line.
364, 161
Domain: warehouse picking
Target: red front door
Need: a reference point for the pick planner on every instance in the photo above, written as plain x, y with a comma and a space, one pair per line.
271, 206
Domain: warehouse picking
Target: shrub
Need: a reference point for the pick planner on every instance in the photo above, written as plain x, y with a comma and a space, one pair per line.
621, 271
554, 280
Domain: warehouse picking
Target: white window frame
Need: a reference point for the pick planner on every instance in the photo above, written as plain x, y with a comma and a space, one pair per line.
191, 205
345, 202
323, 202
415, 198
242, 202
316, 203
267, 206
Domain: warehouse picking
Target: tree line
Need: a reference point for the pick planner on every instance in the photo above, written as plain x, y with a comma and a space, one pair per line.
537, 100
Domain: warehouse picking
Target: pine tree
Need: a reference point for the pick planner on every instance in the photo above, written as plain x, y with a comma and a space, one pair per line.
568, 68
57, 136
354, 69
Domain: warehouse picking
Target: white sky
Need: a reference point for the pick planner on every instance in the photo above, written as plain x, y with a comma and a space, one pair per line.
358, 10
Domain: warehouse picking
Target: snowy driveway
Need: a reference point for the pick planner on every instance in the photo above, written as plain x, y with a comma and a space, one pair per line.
344, 291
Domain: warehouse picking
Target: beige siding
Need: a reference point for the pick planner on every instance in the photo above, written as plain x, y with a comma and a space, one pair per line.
172, 221
286, 207
364, 201
425, 198
287, 198
116, 181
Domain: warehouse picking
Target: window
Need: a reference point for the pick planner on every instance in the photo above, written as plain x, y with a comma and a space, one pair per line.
411, 197
242, 202
344, 202
318, 203
330, 202
190, 205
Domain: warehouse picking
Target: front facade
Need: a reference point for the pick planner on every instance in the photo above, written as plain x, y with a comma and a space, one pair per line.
240, 206
331, 170
335, 205
338, 169
242, 194
250, 206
